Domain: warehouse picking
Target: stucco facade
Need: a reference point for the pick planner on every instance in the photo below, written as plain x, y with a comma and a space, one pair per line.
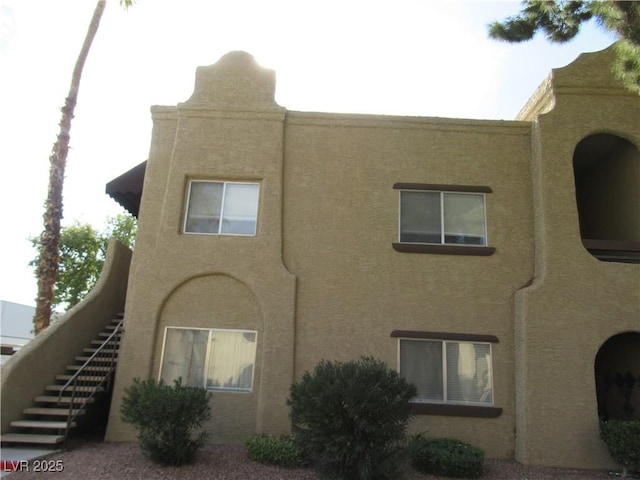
326, 274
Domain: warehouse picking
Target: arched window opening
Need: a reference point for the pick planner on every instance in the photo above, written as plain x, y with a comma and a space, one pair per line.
607, 177
617, 376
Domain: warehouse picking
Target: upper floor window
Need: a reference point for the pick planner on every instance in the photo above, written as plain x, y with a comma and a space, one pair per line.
442, 218
222, 208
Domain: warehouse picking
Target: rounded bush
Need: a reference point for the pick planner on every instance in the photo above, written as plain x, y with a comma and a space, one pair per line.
281, 451
350, 419
446, 456
623, 441
166, 418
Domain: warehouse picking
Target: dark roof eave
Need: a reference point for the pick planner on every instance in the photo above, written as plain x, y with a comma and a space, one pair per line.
127, 188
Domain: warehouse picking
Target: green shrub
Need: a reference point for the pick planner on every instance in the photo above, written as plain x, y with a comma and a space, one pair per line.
446, 457
281, 451
350, 419
166, 418
623, 441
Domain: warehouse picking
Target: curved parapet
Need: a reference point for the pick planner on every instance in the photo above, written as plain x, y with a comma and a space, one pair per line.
35, 365
236, 81
590, 73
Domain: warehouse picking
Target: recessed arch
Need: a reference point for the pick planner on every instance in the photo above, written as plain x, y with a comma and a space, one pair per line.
607, 179
617, 377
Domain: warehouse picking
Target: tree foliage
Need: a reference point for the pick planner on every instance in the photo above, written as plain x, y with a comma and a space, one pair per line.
83, 251
560, 20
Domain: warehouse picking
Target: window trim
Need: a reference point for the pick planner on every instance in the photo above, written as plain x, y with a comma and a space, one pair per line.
224, 193
207, 356
451, 409
444, 248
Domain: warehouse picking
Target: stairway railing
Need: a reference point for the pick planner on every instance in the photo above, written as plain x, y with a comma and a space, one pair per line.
81, 387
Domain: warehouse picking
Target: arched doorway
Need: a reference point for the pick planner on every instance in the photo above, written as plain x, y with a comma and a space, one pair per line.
617, 377
607, 178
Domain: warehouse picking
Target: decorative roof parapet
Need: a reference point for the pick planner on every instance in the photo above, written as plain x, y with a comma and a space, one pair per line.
589, 74
235, 82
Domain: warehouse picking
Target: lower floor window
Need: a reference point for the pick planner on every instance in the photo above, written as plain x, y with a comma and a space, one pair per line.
215, 359
448, 371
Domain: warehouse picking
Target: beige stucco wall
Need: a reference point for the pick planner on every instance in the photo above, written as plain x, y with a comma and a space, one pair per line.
216, 136
321, 280
576, 302
354, 289
36, 365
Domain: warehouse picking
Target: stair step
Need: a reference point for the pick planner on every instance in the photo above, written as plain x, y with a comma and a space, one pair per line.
53, 411
29, 438
67, 400
100, 342
41, 424
85, 389
104, 350
81, 378
107, 334
91, 368
99, 358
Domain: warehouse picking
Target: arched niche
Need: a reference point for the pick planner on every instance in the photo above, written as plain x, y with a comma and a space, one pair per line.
617, 377
607, 179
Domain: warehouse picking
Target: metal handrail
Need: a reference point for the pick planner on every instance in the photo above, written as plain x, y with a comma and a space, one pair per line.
75, 384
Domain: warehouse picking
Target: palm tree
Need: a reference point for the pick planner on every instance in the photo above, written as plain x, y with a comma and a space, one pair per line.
50, 238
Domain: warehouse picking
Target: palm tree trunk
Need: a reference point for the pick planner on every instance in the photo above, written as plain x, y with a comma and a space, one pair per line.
50, 237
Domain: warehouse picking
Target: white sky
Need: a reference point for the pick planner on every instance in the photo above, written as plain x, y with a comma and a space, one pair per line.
400, 57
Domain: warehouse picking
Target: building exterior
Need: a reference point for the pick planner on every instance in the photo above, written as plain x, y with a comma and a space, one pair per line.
16, 327
494, 263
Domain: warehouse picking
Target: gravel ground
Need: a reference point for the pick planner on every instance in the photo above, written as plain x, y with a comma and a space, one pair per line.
120, 461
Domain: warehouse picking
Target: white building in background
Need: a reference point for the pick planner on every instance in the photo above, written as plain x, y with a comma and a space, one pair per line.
16, 326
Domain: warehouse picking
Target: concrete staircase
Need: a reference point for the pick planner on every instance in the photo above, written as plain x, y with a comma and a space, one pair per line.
63, 405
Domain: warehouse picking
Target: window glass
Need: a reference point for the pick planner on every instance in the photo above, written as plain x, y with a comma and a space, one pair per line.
211, 358
442, 218
184, 356
203, 212
222, 208
468, 375
240, 208
420, 217
421, 364
231, 360
448, 372
464, 219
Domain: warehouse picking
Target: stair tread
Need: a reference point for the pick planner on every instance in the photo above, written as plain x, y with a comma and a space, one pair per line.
52, 411
93, 368
83, 358
41, 424
30, 438
82, 388
82, 378
54, 399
